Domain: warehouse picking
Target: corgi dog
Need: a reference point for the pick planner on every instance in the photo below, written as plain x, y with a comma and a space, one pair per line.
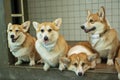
117, 63
50, 44
102, 36
21, 43
80, 58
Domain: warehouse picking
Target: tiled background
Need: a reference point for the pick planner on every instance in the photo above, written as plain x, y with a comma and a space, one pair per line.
73, 13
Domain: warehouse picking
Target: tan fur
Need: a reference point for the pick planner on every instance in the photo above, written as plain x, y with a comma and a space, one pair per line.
117, 63
80, 58
23, 48
52, 48
106, 42
30, 42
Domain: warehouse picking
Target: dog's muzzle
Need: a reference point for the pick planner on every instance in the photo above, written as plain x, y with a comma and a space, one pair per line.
13, 38
46, 38
87, 30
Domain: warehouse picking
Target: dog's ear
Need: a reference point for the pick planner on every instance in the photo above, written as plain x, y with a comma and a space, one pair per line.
9, 24
26, 26
35, 25
101, 13
88, 13
58, 22
92, 57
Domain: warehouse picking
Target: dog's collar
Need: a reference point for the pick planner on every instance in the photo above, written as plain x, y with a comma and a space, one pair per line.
103, 33
50, 46
96, 36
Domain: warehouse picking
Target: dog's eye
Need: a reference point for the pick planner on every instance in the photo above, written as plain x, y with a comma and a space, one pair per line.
82, 64
91, 20
10, 30
75, 64
17, 30
42, 30
49, 30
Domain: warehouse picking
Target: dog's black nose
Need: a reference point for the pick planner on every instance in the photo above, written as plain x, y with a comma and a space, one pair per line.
82, 27
45, 38
79, 74
12, 36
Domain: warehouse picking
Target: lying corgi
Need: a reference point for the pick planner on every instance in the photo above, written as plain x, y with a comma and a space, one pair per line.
50, 44
21, 43
80, 58
102, 37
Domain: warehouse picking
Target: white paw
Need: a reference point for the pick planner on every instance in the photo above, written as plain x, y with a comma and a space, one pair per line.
119, 76
18, 63
32, 63
46, 67
61, 67
110, 62
93, 64
98, 60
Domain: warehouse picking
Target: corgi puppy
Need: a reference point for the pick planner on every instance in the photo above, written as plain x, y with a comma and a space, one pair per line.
80, 58
102, 36
21, 43
50, 44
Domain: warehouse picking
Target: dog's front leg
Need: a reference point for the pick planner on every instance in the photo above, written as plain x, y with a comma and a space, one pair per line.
110, 61
19, 61
32, 60
46, 66
61, 66
110, 58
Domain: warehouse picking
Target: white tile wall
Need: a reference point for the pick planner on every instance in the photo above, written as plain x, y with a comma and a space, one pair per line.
73, 13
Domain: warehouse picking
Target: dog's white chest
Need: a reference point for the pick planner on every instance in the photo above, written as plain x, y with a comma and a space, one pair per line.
19, 51
94, 39
50, 57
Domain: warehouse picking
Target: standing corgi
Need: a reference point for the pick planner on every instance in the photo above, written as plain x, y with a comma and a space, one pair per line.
22, 44
50, 44
102, 37
80, 58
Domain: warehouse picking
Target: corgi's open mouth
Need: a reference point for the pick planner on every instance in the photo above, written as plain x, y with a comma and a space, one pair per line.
14, 39
88, 30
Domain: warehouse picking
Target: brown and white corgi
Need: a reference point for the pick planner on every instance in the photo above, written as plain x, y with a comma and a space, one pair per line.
102, 36
50, 44
80, 58
117, 63
21, 43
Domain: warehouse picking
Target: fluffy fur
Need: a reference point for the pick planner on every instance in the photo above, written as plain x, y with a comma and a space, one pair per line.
117, 63
50, 44
102, 37
80, 58
21, 43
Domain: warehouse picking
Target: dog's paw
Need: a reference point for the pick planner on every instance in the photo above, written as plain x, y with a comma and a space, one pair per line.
98, 60
46, 67
61, 67
18, 63
119, 76
32, 63
93, 64
110, 62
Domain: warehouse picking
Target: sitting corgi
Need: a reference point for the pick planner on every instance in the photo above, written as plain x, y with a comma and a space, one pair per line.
102, 37
22, 44
50, 44
117, 63
80, 58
